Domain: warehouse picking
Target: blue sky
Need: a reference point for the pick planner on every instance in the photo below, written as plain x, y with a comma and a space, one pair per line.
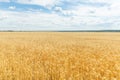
59, 14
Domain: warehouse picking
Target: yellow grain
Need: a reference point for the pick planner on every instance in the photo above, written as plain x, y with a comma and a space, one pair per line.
59, 56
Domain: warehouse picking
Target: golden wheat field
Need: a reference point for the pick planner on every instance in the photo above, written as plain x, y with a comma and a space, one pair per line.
59, 56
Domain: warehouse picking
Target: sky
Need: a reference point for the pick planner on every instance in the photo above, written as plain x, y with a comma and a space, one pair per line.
59, 14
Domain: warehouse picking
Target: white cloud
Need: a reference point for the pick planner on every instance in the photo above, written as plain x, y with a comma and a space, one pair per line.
64, 12
79, 17
44, 21
58, 9
35, 21
103, 11
12, 7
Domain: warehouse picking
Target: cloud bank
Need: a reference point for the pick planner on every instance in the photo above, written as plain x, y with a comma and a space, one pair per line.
59, 14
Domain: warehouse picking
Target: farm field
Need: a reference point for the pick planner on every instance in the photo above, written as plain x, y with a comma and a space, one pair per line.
59, 56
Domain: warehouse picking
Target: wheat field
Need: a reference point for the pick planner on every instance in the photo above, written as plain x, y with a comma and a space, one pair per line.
59, 56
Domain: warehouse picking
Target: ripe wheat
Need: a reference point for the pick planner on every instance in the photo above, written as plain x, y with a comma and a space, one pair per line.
59, 56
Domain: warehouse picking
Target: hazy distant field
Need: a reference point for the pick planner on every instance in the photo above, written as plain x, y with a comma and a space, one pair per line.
59, 56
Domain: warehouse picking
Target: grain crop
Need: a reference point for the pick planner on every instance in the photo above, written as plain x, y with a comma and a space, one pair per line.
59, 56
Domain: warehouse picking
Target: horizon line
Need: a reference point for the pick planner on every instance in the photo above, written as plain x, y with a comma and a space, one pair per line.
59, 30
